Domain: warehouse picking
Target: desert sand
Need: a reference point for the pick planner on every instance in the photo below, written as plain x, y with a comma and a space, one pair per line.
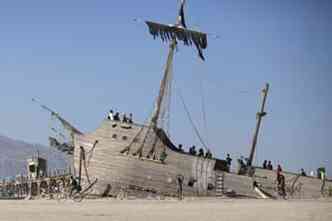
170, 210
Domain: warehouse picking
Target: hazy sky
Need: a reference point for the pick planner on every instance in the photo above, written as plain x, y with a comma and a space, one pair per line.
84, 57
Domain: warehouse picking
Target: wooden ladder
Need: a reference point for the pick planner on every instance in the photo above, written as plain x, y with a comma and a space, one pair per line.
220, 176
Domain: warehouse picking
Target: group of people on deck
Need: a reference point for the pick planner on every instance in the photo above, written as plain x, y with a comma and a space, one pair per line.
193, 151
267, 165
115, 116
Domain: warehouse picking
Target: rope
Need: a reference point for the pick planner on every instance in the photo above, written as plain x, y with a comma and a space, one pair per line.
90, 152
127, 148
204, 114
192, 122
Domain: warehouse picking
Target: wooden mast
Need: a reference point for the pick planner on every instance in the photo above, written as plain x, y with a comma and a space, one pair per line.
172, 34
163, 84
166, 78
260, 116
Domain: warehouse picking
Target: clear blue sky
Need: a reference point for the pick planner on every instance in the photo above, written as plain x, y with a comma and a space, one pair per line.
84, 57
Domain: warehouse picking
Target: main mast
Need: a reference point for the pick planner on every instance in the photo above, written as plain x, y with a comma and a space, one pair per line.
171, 34
164, 84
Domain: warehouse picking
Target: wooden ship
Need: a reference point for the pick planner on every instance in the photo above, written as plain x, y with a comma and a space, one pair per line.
132, 157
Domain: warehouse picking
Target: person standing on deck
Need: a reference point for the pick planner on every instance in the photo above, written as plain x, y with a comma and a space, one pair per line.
130, 119
269, 165
229, 162
110, 115
303, 173
201, 152
193, 150
323, 178
124, 118
208, 154
279, 170
279, 174
180, 149
117, 116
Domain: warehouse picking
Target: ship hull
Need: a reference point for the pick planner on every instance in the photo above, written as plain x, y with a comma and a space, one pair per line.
119, 171
106, 162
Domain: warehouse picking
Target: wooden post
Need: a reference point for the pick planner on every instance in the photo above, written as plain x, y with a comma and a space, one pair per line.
80, 166
260, 115
38, 188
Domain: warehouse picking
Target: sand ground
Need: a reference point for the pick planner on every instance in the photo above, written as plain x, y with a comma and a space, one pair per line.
170, 210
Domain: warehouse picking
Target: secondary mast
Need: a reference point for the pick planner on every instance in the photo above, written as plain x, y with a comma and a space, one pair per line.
260, 116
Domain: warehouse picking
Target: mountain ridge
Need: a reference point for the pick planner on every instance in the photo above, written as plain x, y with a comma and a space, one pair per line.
14, 155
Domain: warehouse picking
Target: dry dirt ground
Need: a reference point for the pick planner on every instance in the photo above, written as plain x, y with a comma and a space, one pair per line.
170, 210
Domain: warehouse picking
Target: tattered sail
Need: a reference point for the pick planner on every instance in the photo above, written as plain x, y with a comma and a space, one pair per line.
179, 32
61, 146
189, 37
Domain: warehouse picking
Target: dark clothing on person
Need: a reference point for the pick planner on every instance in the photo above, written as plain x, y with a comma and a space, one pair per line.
303, 173
74, 186
269, 166
208, 154
130, 119
163, 156
279, 169
229, 160
201, 152
117, 116
247, 161
265, 164
192, 150
281, 185
124, 119
180, 149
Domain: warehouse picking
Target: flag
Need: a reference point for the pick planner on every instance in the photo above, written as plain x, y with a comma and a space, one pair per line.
181, 20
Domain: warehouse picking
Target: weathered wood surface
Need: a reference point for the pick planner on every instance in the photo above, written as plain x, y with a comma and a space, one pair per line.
304, 187
121, 171
111, 167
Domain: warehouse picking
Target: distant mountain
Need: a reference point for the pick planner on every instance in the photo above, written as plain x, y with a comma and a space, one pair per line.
14, 155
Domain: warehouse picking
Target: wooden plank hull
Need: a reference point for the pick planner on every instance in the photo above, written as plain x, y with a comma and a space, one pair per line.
123, 170
116, 171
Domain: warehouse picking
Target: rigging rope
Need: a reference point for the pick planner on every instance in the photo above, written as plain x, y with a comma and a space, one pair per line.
204, 114
127, 148
91, 151
192, 122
